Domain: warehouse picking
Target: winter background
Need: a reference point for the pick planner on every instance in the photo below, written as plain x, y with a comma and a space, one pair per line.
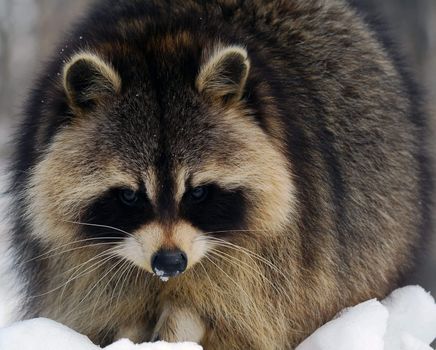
29, 31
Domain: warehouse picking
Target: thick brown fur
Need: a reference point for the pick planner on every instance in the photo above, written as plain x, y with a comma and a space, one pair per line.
308, 124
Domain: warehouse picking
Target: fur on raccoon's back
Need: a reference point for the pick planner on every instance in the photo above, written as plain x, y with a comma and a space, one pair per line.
327, 130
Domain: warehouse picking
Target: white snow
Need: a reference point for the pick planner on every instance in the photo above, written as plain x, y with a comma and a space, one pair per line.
44, 334
125, 344
160, 274
359, 328
412, 312
411, 343
405, 320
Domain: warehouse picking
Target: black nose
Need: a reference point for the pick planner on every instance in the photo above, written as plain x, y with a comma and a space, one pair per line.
169, 263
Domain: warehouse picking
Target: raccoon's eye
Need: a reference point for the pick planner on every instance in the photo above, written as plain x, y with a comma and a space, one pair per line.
128, 197
199, 194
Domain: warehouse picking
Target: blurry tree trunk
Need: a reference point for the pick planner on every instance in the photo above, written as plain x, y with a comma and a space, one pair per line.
5, 12
17, 30
410, 23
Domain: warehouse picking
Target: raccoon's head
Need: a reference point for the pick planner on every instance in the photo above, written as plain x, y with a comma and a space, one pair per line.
161, 159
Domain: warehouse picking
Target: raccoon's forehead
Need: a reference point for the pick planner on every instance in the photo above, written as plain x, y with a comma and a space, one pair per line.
143, 131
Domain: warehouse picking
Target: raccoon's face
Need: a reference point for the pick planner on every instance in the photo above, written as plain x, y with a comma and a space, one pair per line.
159, 165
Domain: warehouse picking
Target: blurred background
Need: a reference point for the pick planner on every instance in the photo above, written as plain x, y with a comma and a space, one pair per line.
30, 29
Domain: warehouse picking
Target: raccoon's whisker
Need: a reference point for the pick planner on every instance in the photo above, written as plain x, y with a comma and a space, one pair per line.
102, 258
237, 262
270, 233
117, 264
106, 256
223, 243
207, 274
100, 226
73, 249
77, 273
226, 231
249, 298
106, 253
120, 268
103, 290
62, 285
251, 303
127, 275
237, 247
67, 244
123, 272
240, 263
195, 273
250, 253
115, 289
138, 273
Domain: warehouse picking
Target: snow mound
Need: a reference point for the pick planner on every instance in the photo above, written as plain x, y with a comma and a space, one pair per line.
125, 344
410, 343
359, 328
45, 334
412, 312
42, 334
405, 320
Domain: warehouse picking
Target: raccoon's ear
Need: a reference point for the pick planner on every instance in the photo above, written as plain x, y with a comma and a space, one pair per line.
87, 78
224, 74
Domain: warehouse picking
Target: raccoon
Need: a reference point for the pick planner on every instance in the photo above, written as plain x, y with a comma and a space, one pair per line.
227, 172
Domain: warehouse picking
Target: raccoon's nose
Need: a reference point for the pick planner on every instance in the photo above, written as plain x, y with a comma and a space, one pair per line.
169, 263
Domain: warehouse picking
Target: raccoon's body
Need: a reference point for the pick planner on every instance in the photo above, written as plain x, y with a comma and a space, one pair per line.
267, 157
